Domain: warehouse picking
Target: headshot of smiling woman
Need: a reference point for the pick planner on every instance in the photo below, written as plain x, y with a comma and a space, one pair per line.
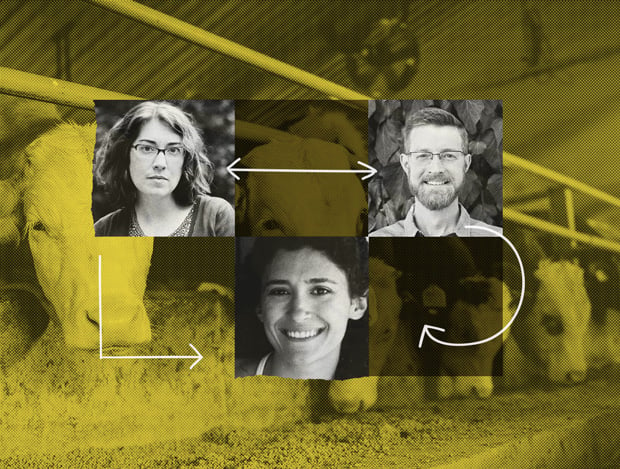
153, 165
308, 318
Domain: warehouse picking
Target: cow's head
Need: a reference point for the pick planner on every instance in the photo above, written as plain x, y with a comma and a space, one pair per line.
293, 204
59, 227
480, 312
602, 282
551, 328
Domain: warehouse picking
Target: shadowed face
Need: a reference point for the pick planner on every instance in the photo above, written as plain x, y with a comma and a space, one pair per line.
305, 305
435, 180
156, 174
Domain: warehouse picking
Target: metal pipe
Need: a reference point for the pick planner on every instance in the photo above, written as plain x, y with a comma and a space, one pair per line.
66, 93
570, 213
565, 180
41, 88
552, 228
52, 90
200, 37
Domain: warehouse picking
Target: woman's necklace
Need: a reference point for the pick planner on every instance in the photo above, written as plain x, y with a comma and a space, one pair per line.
182, 230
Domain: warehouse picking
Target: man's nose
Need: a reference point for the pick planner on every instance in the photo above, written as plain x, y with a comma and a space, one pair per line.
435, 164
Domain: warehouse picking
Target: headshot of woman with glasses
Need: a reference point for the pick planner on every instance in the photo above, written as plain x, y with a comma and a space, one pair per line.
154, 165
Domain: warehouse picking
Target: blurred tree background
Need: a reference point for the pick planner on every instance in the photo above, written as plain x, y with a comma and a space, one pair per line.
214, 118
388, 191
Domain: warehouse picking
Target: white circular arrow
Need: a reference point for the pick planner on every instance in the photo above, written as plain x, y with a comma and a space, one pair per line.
426, 329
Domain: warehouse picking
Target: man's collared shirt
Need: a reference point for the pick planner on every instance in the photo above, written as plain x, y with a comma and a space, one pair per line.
407, 227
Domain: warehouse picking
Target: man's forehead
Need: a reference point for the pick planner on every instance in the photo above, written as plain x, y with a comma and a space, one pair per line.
431, 136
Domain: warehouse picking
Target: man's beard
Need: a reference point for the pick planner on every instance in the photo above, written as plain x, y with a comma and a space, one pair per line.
435, 197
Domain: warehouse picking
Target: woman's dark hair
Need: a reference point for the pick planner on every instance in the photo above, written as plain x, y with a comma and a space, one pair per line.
112, 158
349, 254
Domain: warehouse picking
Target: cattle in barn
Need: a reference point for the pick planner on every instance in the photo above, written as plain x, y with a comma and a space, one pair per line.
311, 204
472, 307
482, 309
602, 283
384, 306
548, 339
54, 215
569, 322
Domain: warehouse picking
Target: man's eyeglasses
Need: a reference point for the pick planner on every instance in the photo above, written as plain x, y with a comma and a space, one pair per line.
424, 156
149, 151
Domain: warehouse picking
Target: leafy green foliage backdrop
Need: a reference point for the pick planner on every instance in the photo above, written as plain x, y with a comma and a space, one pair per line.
388, 191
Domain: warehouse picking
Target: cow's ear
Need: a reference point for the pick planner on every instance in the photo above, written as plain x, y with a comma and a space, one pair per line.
358, 307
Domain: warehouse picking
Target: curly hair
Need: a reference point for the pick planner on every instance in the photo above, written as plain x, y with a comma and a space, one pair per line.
349, 254
112, 157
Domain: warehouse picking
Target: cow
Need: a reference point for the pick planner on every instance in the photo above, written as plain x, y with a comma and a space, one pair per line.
483, 308
568, 324
55, 188
548, 339
292, 204
602, 283
401, 302
384, 305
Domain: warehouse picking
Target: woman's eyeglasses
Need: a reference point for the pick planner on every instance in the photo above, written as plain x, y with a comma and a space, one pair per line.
149, 151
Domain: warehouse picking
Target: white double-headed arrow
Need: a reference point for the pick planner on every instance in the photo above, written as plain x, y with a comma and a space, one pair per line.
196, 357
370, 171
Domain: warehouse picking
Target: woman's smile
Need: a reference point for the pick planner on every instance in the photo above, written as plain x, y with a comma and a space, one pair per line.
302, 335
305, 305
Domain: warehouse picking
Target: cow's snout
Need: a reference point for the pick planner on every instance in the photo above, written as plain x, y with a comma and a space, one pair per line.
122, 323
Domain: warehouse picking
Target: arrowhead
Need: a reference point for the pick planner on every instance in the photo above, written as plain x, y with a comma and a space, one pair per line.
229, 168
198, 356
371, 171
426, 331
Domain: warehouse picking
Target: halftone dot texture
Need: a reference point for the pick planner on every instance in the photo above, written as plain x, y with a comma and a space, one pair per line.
543, 69
323, 136
461, 269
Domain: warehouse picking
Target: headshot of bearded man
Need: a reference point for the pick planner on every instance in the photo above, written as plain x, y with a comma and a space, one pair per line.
435, 160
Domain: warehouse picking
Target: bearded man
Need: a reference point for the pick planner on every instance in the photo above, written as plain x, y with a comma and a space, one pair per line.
435, 162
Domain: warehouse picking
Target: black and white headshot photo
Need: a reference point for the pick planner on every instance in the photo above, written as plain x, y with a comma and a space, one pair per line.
440, 168
301, 307
155, 168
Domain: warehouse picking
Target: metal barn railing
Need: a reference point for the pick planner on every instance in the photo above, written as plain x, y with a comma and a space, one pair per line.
569, 185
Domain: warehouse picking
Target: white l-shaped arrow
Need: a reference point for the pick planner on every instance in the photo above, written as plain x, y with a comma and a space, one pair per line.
196, 357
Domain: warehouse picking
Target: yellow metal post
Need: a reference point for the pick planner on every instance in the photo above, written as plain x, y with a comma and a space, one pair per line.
513, 160
200, 37
552, 228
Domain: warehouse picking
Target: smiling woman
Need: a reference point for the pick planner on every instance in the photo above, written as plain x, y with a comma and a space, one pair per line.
154, 165
303, 291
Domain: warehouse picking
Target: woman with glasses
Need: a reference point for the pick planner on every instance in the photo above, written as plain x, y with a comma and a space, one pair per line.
154, 162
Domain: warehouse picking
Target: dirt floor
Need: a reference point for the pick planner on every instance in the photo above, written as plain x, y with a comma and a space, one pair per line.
63, 410
425, 435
